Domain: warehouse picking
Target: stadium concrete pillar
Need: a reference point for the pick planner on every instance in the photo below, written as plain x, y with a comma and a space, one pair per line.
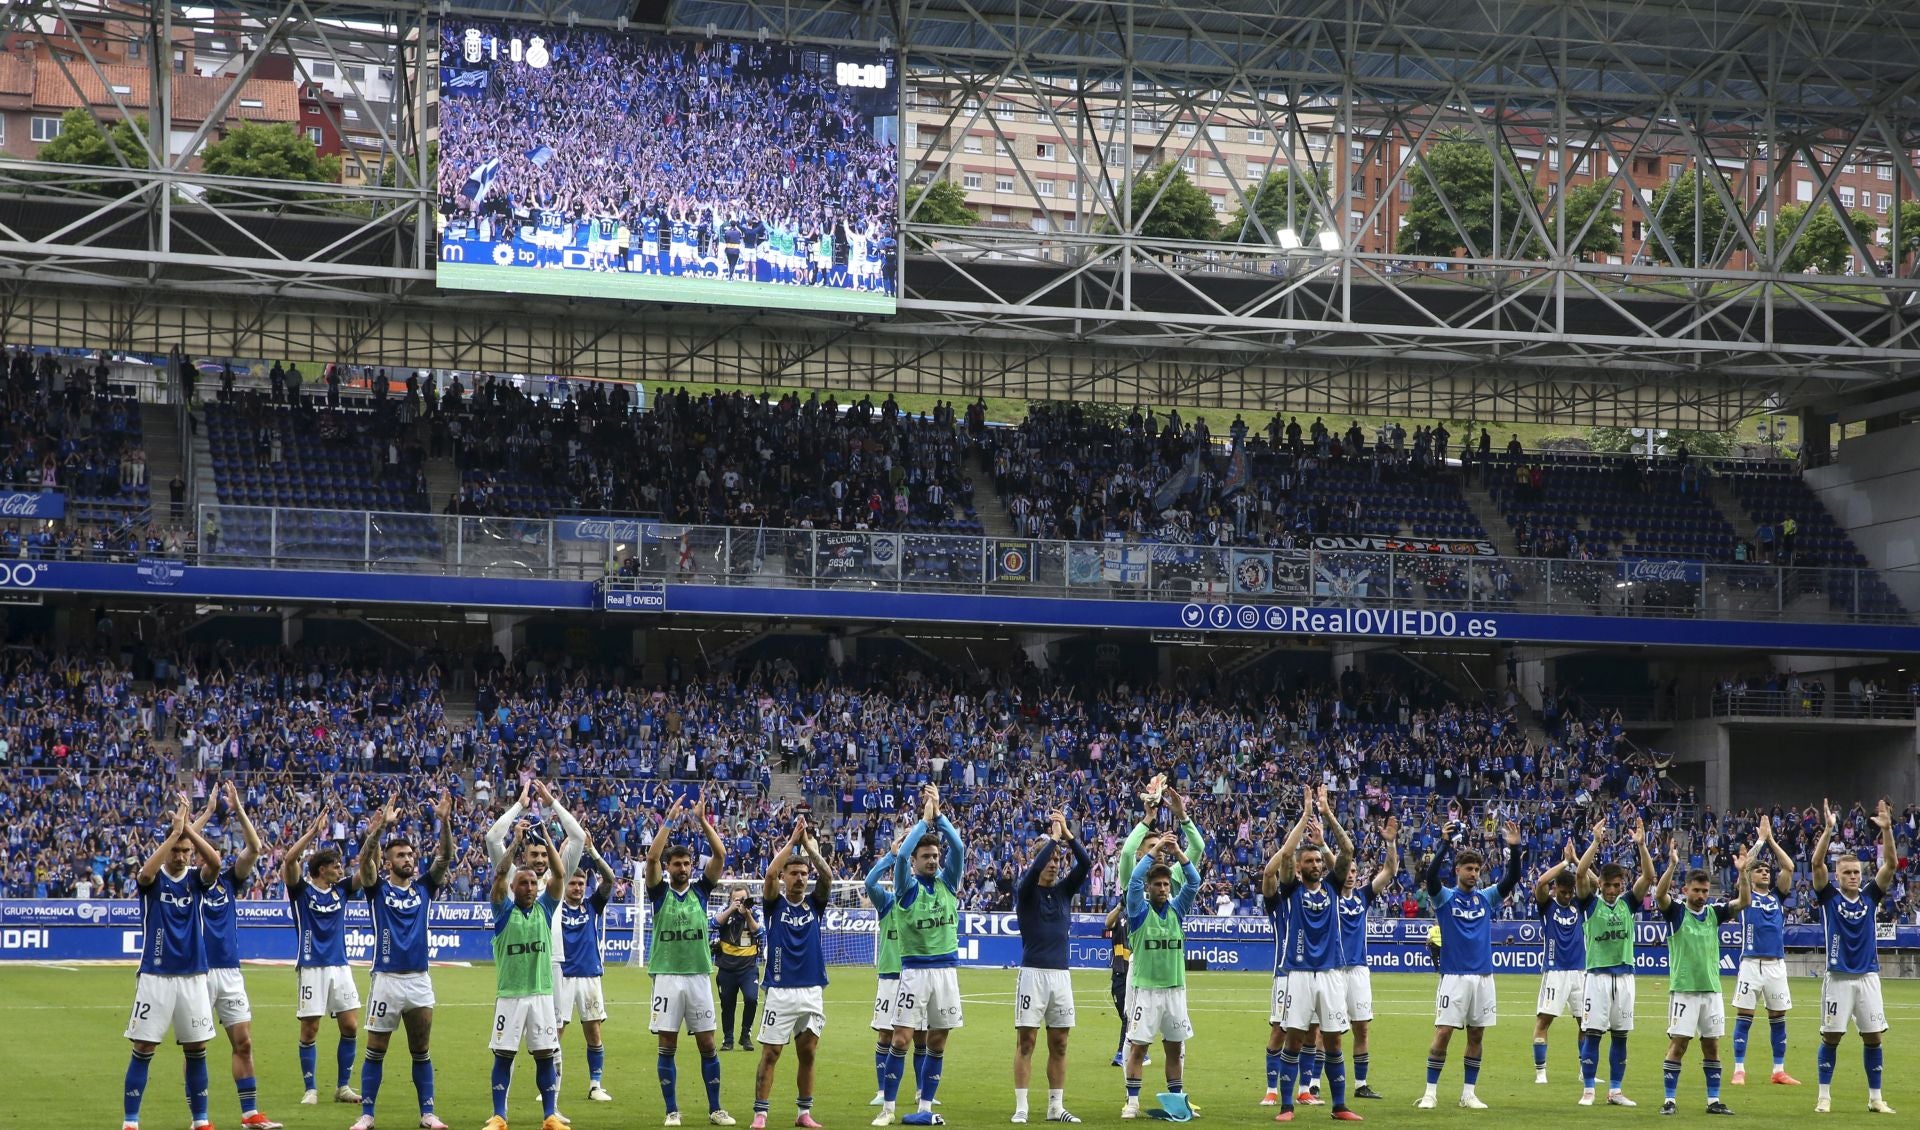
1348, 657
1816, 437
293, 626
1039, 646
842, 648
1706, 743
509, 632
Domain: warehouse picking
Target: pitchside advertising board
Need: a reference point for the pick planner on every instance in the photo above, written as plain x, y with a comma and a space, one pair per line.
101, 930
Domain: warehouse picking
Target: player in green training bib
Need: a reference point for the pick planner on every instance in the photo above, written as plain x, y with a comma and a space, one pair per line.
677, 955
1609, 990
926, 903
886, 962
1694, 1005
1157, 979
523, 981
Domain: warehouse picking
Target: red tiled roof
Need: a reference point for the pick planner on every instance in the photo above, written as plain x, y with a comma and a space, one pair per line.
194, 96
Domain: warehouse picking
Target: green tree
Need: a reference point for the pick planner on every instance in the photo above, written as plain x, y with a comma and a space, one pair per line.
1602, 203
1823, 247
1707, 227
1698, 443
83, 142
268, 152
390, 166
1184, 210
1454, 201
1270, 199
941, 202
1909, 240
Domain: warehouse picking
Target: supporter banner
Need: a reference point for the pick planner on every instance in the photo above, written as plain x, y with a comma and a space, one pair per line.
1252, 572
1124, 564
1277, 572
581, 527
842, 553
161, 572
1343, 580
1013, 561
1292, 572
1644, 572
1084, 565
18, 504
1332, 544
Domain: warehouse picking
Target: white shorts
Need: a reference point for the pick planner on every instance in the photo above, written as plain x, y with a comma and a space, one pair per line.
1696, 1015
1315, 997
532, 1017
1608, 1003
1850, 996
394, 995
883, 1004
928, 999
1359, 993
1762, 979
1466, 1000
1562, 993
1157, 1014
650, 247
326, 990
682, 999
164, 1003
228, 992
784, 1012
579, 998
1043, 998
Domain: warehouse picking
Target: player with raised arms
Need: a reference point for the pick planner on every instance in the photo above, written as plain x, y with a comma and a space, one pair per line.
1157, 992
523, 907
579, 990
326, 985
1563, 896
1851, 991
886, 960
1609, 992
1043, 993
1316, 990
1467, 997
220, 922
927, 899
1156, 791
795, 1010
402, 986
1355, 900
171, 994
1694, 1005
678, 960
1763, 957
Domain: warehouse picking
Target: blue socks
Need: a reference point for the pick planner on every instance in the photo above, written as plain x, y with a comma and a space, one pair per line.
197, 1085
1616, 1061
1273, 1072
546, 1076
249, 1100
1289, 1072
596, 1061
1336, 1079
1360, 1070
1176, 1086
1670, 1076
1777, 1028
1540, 1054
1434, 1067
1133, 1087
890, 1074
929, 1077
1712, 1069
710, 1075
1742, 1025
137, 1068
343, 1059
423, 1080
309, 1065
882, 1051
1872, 1057
1309, 1067
1589, 1059
919, 1071
1471, 1064
669, 1081
371, 1070
1827, 1056
502, 1082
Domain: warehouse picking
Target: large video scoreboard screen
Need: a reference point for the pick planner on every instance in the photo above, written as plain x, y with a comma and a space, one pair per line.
583, 161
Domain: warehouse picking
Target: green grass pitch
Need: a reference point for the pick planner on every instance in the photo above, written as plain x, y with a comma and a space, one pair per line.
64, 1057
662, 288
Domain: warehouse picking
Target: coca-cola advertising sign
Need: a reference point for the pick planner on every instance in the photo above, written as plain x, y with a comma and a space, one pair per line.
576, 528
16, 505
1645, 572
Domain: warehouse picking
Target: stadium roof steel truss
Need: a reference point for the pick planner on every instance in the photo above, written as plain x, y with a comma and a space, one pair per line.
1516, 326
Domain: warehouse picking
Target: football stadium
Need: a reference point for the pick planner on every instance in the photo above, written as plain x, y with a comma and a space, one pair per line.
975, 562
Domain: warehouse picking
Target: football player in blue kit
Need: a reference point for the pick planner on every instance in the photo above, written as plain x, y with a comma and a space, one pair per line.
220, 922
1851, 991
580, 991
1563, 895
326, 987
1316, 989
1763, 957
1355, 901
1466, 997
795, 1009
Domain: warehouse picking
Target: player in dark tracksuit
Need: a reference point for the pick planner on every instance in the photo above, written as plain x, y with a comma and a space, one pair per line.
736, 960
1122, 958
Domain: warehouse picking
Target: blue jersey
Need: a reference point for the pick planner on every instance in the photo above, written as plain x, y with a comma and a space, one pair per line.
1466, 931
1276, 908
1851, 945
1353, 924
170, 939
650, 229
796, 959
1763, 927
580, 932
400, 924
220, 923
1563, 934
1313, 928
551, 220
320, 918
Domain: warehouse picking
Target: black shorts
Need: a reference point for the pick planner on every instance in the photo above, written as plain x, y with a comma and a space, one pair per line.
740, 980
1119, 990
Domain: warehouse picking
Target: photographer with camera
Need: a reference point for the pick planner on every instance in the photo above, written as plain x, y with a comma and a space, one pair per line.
738, 938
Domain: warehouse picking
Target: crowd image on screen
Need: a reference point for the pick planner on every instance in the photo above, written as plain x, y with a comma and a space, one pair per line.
661, 156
